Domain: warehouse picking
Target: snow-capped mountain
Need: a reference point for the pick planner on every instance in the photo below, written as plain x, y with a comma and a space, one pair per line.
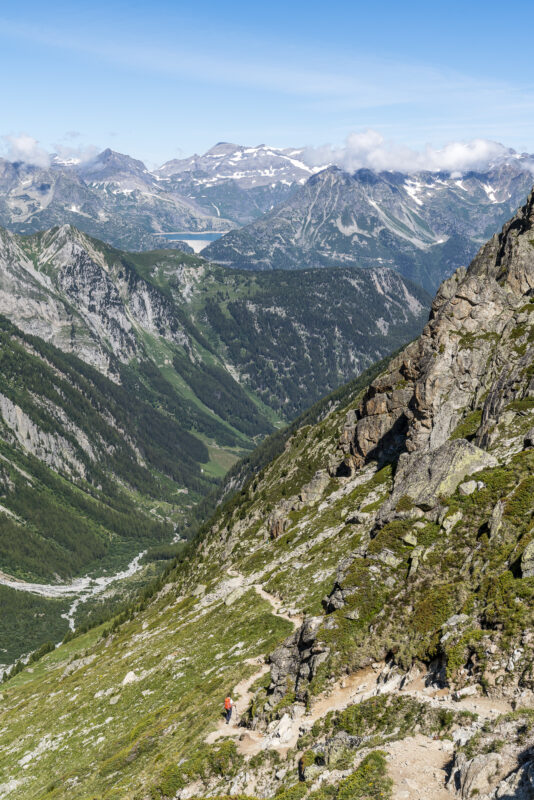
247, 166
241, 183
425, 225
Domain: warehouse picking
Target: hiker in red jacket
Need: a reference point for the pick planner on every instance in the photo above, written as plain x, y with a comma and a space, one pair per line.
228, 706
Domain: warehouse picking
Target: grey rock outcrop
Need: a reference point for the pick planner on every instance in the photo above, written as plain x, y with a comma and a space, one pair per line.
295, 661
519, 785
337, 746
528, 441
276, 524
425, 477
462, 355
527, 561
501, 769
313, 491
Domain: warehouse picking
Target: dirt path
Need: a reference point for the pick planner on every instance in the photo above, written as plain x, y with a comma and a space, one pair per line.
276, 604
417, 766
241, 693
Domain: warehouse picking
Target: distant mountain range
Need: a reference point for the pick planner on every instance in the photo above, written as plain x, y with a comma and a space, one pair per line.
294, 215
425, 225
240, 183
116, 198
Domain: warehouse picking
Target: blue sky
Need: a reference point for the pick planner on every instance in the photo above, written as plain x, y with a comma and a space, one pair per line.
163, 79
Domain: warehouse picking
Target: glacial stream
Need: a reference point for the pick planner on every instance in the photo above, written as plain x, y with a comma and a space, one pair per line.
80, 589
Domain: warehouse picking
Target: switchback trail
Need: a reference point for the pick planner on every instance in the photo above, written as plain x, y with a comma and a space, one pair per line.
242, 691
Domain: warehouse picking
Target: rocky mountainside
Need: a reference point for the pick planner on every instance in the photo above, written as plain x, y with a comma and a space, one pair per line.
271, 335
114, 197
425, 225
366, 597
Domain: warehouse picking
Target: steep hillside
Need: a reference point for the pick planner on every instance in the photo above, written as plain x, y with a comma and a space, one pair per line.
366, 598
82, 463
293, 337
425, 225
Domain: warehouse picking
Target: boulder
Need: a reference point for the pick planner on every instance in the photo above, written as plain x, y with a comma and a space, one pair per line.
78, 663
130, 677
527, 561
335, 600
450, 521
467, 488
415, 557
313, 491
476, 776
295, 661
425, 477
467, 691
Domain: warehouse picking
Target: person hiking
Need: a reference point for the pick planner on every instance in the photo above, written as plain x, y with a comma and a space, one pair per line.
228, 706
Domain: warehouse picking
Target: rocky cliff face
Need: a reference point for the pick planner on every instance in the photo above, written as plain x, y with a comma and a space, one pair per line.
65, 288
475, 346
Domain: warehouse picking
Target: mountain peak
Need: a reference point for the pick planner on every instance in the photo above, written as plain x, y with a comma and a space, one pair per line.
110, 162
508, 257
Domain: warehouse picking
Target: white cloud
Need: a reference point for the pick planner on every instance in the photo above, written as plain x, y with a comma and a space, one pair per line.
369, 149
25, 148
76, 155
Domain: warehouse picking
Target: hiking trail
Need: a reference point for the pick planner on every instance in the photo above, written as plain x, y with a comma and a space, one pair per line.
417, 764
241, 693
